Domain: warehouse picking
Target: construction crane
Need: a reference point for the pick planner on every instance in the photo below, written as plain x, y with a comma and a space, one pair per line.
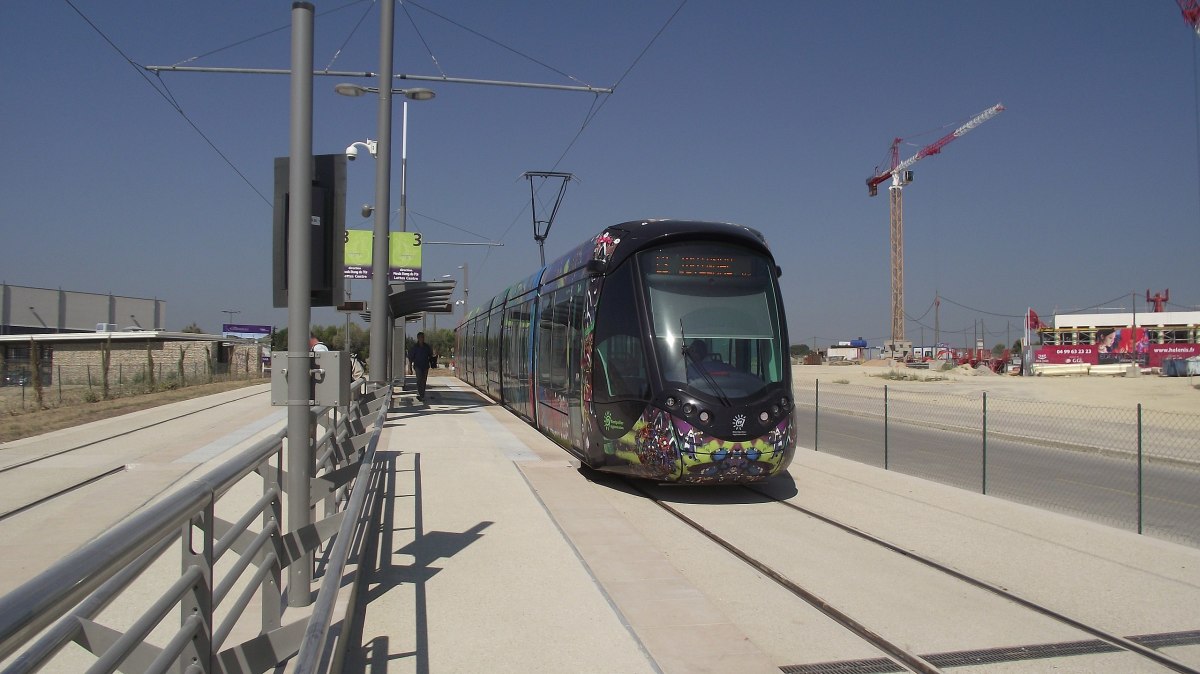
1191, 13
901, 176
1158, 300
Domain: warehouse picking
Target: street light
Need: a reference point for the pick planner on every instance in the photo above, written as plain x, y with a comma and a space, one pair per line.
417, 94
383, 178
466, 288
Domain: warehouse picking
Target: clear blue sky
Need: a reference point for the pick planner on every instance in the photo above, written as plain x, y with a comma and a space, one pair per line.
769, 114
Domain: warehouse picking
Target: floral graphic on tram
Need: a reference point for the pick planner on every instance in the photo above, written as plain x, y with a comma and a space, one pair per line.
662, 446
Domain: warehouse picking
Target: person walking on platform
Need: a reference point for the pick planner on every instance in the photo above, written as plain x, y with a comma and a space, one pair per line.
418, 363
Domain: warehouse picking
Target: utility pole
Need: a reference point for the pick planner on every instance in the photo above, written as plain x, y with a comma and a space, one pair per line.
937, 324
299, 415
380, 308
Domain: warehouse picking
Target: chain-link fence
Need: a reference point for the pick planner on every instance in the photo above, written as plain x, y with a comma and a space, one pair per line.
1130, 468
74, 385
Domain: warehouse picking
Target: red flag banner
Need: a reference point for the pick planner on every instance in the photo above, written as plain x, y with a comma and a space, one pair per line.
1032, 320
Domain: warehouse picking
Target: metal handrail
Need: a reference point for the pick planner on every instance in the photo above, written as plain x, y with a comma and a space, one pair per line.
312, 644
81, 584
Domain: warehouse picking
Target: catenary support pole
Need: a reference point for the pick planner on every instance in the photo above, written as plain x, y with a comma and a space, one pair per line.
380, 311
300, 417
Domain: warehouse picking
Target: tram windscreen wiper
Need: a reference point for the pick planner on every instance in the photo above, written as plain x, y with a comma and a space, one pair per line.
708, 378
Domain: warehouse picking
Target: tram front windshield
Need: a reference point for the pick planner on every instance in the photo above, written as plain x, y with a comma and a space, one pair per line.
715, 312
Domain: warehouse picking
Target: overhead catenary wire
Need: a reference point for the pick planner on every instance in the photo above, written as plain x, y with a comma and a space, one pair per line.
170, 99
278, 29
495, 42
349, 37
597, 105
425, 42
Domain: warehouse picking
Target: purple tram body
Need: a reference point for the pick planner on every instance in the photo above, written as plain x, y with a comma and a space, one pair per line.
656, 350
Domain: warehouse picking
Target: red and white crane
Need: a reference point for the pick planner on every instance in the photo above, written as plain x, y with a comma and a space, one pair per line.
1191, 13
901, 176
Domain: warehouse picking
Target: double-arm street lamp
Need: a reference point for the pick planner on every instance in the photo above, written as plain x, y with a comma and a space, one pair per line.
383, 179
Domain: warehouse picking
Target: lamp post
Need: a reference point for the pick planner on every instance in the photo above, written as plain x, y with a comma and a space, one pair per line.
383, 179
466, 288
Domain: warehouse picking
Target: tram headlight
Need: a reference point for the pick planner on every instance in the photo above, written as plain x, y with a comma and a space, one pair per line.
672, 402
785, 404
688, 408
705, 417
774, 411
764, 417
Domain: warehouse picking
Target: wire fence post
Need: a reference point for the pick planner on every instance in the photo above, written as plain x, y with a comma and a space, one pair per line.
817, 416
1140, 493
885, 427
984, 442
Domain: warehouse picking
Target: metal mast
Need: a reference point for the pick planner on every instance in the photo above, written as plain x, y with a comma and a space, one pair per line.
901, 176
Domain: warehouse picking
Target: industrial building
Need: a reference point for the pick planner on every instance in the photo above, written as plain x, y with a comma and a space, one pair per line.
50, 337
35, 311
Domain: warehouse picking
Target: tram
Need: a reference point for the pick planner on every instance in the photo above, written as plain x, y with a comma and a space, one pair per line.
656, 350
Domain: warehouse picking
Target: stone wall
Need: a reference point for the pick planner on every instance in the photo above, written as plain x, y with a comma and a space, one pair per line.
131, 361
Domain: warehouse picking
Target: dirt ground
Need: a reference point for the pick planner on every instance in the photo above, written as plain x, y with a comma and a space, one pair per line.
19, 422
1179, 395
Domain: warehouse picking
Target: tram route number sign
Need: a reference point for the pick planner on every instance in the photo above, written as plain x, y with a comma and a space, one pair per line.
404, 255
673, 264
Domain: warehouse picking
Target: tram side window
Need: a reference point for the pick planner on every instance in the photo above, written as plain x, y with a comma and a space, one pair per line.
619, 365
575, 336
553, 338
493, 345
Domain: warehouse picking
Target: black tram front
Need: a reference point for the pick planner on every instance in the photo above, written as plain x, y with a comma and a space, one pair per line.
690, 378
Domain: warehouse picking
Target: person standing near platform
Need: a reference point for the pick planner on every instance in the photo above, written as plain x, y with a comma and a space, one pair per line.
418, 363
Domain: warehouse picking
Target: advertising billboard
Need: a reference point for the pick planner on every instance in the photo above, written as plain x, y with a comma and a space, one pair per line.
247, 331
1148, 355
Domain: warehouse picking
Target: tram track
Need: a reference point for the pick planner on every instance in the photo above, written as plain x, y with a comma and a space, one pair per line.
66, 490
59, 452
900, 658
102, 471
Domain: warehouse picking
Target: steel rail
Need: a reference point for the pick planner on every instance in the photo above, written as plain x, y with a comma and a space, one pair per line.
65, 490
80, 585
36, 604
901, 657
12, 466
1114, 639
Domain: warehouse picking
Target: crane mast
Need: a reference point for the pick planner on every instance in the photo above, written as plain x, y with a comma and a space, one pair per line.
900, 176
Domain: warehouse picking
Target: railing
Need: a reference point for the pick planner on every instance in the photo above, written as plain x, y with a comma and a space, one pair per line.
1132, 468
68, 597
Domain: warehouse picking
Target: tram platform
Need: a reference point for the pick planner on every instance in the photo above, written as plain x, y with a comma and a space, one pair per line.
498, 554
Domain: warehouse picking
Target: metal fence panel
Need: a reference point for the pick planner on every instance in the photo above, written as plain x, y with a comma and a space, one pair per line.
1171, 475
936, 436
1129, 468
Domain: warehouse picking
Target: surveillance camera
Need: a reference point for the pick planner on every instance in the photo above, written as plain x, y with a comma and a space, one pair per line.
367, 209
351, 153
